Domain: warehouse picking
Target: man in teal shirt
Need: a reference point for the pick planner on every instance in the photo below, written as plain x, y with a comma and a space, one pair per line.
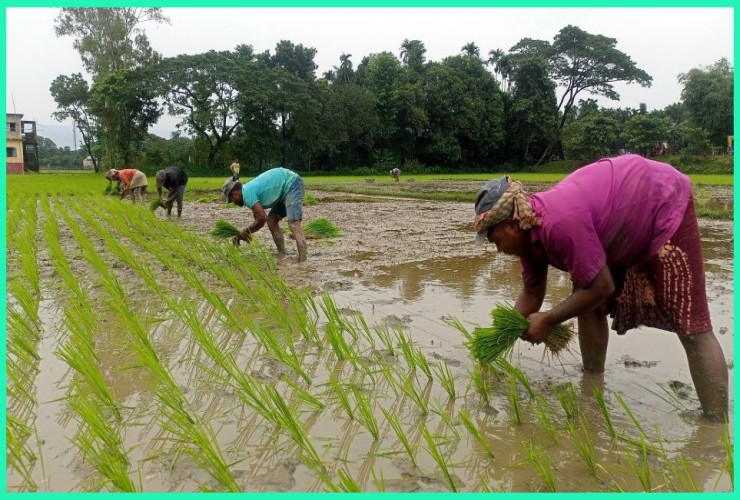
280, 190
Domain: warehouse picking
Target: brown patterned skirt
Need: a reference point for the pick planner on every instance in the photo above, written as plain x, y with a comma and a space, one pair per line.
668, 291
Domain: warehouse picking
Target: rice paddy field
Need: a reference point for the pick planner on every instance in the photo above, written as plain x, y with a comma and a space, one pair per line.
144, 354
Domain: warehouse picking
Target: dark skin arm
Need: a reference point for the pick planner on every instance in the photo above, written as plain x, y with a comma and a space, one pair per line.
260, 217
530, 299
579, 302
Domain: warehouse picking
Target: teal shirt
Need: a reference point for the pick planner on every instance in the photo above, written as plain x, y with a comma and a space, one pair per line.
269, 187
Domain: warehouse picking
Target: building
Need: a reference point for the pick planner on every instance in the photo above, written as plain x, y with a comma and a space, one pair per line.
21, 147
13, 144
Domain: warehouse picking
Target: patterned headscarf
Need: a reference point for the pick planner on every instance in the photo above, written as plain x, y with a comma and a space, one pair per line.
514, 201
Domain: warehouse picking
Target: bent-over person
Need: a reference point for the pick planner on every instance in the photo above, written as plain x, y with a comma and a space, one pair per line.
134, 182
279, 189
175, 180
626, 231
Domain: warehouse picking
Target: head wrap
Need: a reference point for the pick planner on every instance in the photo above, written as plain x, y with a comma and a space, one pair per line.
512, 203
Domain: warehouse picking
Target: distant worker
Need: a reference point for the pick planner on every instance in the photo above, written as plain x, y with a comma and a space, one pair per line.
134, 182
175, 180
625, 229
396, 173
279, 189
235, 169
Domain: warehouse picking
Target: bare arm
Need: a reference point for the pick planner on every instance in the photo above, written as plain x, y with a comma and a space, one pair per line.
260, 217
530, 299
579, 302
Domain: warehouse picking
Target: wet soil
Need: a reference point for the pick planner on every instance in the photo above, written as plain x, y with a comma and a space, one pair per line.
411, 265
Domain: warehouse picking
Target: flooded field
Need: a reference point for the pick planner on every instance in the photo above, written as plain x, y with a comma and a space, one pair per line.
341, 373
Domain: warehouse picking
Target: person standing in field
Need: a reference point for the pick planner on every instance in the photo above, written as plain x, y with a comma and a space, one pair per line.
279, 189
235, 169
134, 182
626, 230
396, 173
175, 179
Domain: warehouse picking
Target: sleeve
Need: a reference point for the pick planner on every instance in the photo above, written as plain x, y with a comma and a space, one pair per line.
249, 194
575, 245
533, 272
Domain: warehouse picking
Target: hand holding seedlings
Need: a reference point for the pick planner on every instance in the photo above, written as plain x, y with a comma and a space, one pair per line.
539, 328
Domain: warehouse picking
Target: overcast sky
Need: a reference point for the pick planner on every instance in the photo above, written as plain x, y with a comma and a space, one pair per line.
662, 41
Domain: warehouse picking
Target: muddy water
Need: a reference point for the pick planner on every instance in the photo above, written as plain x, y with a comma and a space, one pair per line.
411, 266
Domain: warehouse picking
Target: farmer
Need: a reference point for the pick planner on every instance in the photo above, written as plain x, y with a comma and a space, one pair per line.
175, 179
279, 189
235, 169
396, 173
626, 230
134, 182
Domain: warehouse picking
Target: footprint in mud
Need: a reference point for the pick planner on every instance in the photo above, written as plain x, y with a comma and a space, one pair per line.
394, 321
448, 361
631, 362
280, 477
682, 390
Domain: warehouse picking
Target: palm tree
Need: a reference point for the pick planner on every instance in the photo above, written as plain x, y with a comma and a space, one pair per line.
344, 73
471, 49
412, 53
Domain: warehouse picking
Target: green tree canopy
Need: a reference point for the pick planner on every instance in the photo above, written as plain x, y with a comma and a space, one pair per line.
708, 98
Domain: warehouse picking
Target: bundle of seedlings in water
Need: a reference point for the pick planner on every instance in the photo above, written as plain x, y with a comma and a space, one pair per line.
224, 230
490, 343
155, 204
321, 228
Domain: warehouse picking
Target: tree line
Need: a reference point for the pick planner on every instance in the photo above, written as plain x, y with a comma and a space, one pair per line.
466, 112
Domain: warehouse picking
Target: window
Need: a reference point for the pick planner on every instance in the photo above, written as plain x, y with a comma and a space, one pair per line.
11, 153
11, 126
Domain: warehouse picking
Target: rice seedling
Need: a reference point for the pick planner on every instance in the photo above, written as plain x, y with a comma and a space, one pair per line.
475, 432
490, 343
445, 414
288, 422
631, 416
155, 204
729, 463
541, 462
584, 442
321, 228
224, 230
568, 398
599, 395
379, 481
457, 325
365, 414
408, 387
513, 395
438, 458
385, 338
542, 411
639, 465
480, 383
676, 470
421, 361
517, 374
445, 378
340, 390
395, 424
305, 396
310, 200
347, 484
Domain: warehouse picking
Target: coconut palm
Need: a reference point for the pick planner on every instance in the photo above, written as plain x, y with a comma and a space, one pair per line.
412, 53
471, 49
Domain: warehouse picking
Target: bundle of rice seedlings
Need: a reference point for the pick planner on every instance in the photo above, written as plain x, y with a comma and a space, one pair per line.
109, 188
155, 204
224, 230
321, 228
490, 343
